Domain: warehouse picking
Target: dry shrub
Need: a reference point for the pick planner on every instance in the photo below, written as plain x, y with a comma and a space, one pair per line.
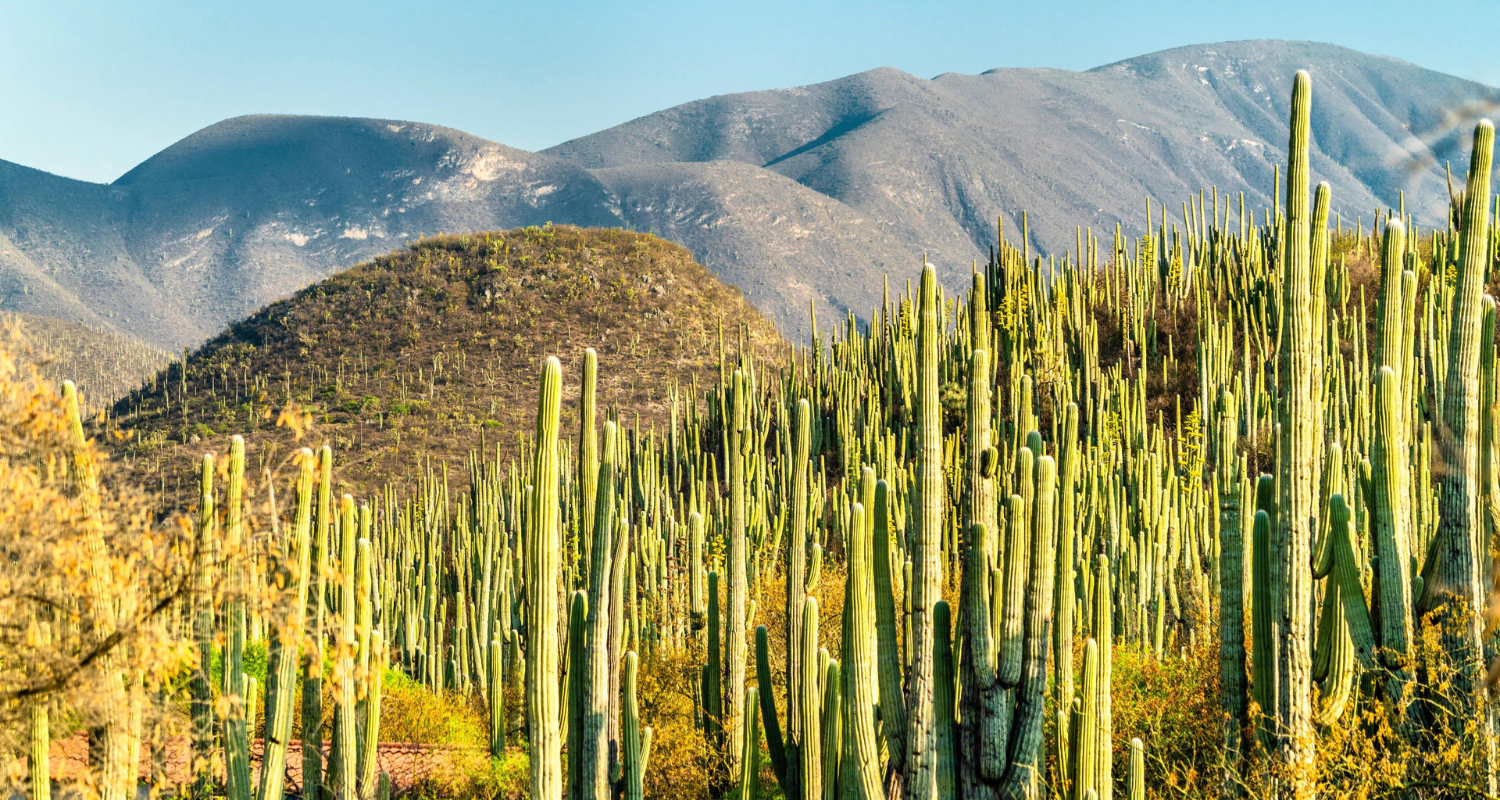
410, 712
85, 558
667, 691
1173, 706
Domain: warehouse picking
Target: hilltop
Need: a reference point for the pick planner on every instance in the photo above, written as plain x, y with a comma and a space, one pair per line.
426, 352
802, 195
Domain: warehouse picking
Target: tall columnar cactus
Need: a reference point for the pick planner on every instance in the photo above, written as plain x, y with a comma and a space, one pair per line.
810, 775
205, 556
1458, 576
889, 663
578, 679
1301, 418
343, 757
927, 566
1085, 720
796, 591
739, 439
637, 741
39, 741
860, 767
542, 563
1344, 635
588, 463
496, 696
1062, 655
591, 754
1231, 594
1388, 496
282, 661
312, 659
749, 781
1263, 607
370, 720
1102, 626
713, 669
236, 735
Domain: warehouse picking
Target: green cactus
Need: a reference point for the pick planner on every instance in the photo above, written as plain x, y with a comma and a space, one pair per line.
926, 581
637, 749
282, 657
236, 734
1135, 779
205, 557
1458, 575
312, 659
543, 739
39, 741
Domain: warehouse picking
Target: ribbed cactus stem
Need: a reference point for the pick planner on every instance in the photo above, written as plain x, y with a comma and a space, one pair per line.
236, 734
944, 736
39, 741
1135, 778
312, 659
750, 760
888, 653
1301, 418
637, 741
713, 670
578, 614
370, 722
591, 752
1086, 720
1459, 558
345, 744
282, 658
496, 696
796, 576
1389, 495
833, 727
544, 740
860, 769
811, 750
1231, 595
588, 461
1031, 695
205, 557
927, 567
737, 556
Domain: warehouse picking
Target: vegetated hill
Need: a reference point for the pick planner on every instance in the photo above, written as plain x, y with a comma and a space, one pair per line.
795, 195
104, 364
427, 352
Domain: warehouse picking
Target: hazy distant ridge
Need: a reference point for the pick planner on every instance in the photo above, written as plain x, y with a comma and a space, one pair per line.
793, 195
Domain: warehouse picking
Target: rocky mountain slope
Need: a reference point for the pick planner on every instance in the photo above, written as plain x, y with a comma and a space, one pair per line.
794, 195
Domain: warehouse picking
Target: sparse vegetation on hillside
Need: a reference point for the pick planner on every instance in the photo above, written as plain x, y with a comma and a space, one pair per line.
423, 353
103, 364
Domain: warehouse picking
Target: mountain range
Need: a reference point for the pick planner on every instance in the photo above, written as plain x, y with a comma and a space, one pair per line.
796, 196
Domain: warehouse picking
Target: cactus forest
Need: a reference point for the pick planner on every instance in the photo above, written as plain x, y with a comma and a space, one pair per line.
935, 553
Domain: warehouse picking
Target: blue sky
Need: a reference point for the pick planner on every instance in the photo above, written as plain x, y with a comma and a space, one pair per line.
89, 89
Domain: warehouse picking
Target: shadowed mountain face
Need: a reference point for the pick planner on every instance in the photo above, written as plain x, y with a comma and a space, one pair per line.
794, 195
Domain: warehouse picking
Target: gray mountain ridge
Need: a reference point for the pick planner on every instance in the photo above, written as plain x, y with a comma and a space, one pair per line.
797, 196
